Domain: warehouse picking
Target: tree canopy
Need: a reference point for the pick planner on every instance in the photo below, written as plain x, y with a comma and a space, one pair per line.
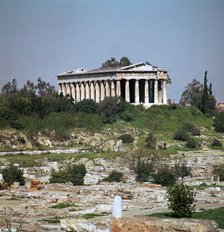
113, 63
199, 95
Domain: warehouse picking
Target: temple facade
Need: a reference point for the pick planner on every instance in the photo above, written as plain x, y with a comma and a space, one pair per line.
140, 83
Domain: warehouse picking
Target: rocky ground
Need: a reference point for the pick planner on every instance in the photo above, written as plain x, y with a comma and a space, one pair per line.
27, 208
33, 209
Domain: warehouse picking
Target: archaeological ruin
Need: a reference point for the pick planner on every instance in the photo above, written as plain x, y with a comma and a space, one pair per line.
140, 83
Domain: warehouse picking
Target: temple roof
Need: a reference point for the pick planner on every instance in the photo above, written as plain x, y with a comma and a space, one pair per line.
137, 67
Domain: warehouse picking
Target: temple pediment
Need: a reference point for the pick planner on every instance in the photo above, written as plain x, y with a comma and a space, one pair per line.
143, 66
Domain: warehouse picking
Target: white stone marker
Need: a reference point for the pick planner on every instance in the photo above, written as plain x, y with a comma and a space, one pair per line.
117, 207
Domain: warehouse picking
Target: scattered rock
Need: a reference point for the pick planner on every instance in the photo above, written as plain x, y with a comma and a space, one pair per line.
158, 225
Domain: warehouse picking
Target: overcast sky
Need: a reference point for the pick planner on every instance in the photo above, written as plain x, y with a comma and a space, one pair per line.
42, 38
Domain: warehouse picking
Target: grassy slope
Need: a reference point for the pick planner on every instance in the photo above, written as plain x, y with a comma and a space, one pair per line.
216, 214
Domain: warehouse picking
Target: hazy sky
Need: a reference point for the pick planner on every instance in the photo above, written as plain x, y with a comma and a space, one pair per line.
42, 38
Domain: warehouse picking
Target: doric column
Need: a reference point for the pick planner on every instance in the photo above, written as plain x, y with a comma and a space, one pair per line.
107, 87
156, 91
127, 91
82, 88
68, 90
97, 92
146, 91
59, 88
164, 92
87, 90
118, 88
137, 91
112, 86
64, 89
92, 91
73, 90
102, 91
77, 93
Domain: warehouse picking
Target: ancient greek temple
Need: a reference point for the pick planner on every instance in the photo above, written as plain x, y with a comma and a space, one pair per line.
139, 83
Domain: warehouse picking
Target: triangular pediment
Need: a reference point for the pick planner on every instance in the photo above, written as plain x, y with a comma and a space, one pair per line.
139, 67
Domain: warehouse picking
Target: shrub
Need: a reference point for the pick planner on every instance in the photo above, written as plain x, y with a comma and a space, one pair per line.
191, 143
127, 116
219, 122
86, 105
74, 173
219, 171
59, 176
126, 138
150, 140
181, 200
181, 134
216, 143
191, 128
110, 108
143, 170
164, 177
114, 176
13, 174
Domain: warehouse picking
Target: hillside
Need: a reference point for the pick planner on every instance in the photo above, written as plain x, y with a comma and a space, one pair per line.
127, 132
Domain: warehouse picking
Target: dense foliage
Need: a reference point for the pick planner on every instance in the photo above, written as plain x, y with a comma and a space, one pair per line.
164, 177
219, 171
113, 63
74, 174
199, 95
219, 122
13, 174
181, 200
143, 170
114, 176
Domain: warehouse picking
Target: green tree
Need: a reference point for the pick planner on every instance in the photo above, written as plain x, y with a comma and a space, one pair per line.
10, 87
124, 61
208, 101
181, 200
192, 94
181, 170
113, 63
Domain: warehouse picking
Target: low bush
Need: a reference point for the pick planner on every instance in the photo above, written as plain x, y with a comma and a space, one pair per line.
143, 170
181, 134
126, 138
74, 174
164, 177
59, 176
127, 116
114, 176
216, 143
191, 143
219, 171
86, 105
150, 140
13, 174
219, 122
